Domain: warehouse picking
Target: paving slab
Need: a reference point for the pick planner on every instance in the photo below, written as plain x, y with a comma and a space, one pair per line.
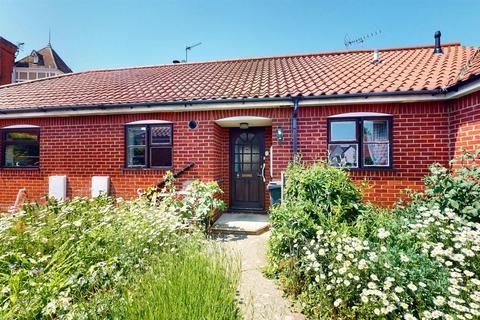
260, 298
241, 223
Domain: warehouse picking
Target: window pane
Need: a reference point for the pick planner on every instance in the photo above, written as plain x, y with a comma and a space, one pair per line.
375, 131
160, 157
22, 155
161, 134
136, 156
136, 136
21, 136
343, 131
343, 155
376, 154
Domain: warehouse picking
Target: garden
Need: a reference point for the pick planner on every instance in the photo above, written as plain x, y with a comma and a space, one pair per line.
106, 258
340, 257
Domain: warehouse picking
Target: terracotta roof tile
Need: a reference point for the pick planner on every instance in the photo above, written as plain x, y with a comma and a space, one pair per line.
331, 73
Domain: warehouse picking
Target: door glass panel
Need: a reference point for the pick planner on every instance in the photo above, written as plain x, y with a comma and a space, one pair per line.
247, 155
246, 167
343, 131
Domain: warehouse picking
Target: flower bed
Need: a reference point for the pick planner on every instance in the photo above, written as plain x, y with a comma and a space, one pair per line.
73, 259
419, 261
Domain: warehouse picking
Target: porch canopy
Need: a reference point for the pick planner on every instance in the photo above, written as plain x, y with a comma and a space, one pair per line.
234, 122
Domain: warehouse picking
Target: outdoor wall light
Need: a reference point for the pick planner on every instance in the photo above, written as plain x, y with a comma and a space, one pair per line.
279, 135
243, 125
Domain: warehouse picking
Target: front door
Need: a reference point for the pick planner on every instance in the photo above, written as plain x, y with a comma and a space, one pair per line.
247, 186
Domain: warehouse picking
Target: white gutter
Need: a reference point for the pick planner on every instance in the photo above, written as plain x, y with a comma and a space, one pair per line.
464, 90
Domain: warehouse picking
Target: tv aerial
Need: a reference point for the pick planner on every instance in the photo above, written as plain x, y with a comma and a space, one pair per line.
349, 42
188, 48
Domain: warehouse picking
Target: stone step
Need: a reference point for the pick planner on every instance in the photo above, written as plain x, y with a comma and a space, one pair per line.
241, 223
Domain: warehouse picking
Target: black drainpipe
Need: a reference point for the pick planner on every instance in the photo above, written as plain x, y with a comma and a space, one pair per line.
295, 127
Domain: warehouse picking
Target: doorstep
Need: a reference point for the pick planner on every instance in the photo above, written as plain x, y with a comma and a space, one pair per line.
241, 223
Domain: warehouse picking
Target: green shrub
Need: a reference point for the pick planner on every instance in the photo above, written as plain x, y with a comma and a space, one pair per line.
420, 261
315, 195
456, 187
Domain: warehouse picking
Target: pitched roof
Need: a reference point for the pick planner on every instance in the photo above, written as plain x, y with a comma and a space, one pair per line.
409, 69
47, 57
8, 43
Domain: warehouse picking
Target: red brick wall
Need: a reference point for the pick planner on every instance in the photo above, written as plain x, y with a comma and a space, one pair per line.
7, 58
465, 124
81, 147
420, 137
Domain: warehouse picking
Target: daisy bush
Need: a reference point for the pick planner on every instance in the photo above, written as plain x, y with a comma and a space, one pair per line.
66, 259
415, 262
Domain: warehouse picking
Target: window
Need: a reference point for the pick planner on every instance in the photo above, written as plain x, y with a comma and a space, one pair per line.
360, 142
149, 146
21, 148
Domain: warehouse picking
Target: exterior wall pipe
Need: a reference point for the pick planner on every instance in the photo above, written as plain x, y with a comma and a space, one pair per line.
295, 127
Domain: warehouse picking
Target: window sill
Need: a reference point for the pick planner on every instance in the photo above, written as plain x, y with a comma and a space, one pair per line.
372, 169
148, 169
21, 168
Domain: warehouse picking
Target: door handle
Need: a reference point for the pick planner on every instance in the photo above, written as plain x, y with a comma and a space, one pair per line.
263, 170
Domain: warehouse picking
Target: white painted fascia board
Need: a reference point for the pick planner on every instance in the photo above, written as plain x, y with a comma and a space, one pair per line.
371, 100
152, 109
464, 90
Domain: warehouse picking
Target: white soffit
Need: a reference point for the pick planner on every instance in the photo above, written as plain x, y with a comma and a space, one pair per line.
149, 122
21, 126
360, 114
234, 122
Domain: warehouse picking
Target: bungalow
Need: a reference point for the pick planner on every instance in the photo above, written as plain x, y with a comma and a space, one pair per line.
387, 114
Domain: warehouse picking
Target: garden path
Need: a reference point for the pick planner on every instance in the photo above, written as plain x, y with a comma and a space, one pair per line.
260, 298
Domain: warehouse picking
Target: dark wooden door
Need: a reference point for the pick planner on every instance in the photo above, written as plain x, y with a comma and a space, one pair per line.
247, 186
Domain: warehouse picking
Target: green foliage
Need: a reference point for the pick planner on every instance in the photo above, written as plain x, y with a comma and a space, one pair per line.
419, 261
198, 204
456, 187
315, 195
196, 281
67, 259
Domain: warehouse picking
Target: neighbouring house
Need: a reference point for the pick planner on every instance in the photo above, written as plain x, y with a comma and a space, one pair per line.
40, 64
7, 59
387, 114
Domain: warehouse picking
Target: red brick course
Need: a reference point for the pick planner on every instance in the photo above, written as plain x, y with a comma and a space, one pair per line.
7, 59
81, 147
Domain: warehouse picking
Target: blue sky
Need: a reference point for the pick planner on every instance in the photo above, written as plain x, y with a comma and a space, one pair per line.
93, 34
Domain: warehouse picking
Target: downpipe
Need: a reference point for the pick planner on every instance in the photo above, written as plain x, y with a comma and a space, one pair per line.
295, 128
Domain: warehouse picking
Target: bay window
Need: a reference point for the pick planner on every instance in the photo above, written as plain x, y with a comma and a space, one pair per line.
360, 142
21, 148
149, 146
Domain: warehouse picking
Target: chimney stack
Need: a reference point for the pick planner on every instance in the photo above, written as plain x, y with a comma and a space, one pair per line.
375, 56
438, 48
